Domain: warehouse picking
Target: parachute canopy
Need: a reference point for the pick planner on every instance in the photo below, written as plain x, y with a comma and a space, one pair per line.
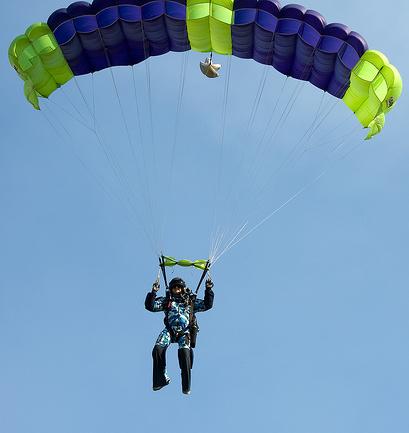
298, 42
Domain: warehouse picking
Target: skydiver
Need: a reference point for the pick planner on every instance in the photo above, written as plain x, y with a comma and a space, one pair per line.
179, 306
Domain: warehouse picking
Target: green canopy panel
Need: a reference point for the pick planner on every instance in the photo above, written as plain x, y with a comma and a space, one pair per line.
209, 25
39, 61
375, 87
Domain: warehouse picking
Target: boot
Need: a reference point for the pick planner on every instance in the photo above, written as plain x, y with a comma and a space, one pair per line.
185, 364
160, 378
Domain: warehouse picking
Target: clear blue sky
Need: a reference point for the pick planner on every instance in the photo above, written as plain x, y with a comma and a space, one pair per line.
310, 329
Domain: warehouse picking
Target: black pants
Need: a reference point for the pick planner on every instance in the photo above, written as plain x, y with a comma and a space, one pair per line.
185, 357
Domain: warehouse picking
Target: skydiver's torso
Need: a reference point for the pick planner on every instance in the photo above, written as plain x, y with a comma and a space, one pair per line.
178, 315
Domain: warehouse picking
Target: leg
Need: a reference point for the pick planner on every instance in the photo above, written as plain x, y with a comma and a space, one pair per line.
160, 378
185, 355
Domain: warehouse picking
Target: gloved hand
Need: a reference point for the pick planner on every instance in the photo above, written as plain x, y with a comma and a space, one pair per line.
155, 286
209, 284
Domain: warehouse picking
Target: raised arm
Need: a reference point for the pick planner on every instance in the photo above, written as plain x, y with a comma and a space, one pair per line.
152, 303
206, 303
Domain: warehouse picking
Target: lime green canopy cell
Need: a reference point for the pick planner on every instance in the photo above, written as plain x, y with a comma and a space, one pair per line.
375, 86
209, 25
37, 58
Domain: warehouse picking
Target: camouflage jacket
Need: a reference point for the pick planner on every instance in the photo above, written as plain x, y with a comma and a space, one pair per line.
178, 310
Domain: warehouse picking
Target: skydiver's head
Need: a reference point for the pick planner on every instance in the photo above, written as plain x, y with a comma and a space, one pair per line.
177, 286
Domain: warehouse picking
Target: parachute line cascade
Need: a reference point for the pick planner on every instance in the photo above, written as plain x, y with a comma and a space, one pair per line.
294, 42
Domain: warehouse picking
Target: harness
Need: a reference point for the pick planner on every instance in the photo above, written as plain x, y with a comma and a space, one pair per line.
190, 298
192, 328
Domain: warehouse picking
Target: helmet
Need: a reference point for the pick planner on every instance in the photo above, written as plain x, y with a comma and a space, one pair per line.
177, 282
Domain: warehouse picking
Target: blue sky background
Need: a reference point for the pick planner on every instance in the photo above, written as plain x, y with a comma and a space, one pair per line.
310, 330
